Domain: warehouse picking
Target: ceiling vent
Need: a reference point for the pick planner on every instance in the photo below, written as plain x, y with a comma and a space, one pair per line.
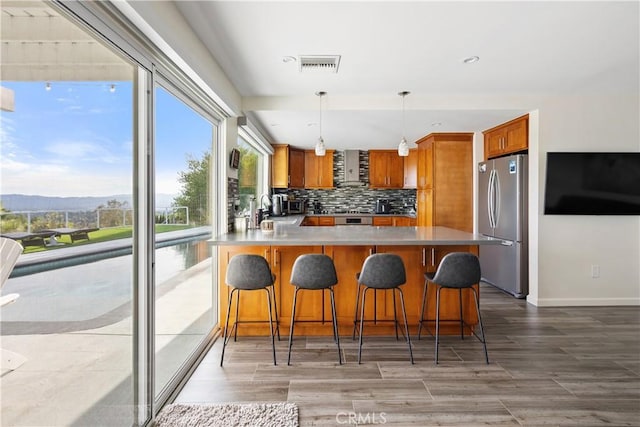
319, 63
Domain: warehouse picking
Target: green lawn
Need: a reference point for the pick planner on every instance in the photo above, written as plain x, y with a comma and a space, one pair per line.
102, 235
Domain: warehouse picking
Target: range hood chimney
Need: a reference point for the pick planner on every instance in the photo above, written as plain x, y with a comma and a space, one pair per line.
352, 168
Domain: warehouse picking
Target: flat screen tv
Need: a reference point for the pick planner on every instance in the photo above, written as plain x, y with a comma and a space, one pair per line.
592, 184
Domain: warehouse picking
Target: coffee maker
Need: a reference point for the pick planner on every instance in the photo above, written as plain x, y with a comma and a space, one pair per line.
383, 206
277, 204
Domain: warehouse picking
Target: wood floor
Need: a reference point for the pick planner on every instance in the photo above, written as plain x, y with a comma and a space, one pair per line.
548, 366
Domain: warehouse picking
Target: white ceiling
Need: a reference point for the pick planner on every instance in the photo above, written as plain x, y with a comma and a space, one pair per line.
526, 50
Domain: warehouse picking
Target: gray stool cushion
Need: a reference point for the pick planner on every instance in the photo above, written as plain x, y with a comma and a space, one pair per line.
313, 271
248, 272
457, 270
382, 271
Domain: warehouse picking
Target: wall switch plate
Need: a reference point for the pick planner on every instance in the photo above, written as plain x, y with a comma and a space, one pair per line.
595, 271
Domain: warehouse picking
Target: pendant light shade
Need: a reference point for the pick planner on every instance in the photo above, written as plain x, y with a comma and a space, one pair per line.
320, 148
403, 147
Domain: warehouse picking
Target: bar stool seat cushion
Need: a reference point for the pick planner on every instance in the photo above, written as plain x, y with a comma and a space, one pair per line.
248, 272
313, 271
382, 271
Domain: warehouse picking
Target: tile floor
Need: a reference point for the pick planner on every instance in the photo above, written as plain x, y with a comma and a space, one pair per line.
549, 366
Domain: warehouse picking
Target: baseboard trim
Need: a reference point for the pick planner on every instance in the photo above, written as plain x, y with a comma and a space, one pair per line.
577, 302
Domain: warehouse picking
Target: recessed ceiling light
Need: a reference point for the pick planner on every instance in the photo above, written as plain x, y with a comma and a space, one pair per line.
471, 59
436, 124
289, 58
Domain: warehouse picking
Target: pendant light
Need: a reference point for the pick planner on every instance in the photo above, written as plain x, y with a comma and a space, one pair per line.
320, 149
403, 147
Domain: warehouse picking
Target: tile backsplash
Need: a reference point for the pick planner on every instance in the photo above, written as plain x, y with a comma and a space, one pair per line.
347, 196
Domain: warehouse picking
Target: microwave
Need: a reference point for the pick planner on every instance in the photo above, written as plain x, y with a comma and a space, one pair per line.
296, 206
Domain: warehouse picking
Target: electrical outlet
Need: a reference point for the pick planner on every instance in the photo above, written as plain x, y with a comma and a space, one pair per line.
595, 271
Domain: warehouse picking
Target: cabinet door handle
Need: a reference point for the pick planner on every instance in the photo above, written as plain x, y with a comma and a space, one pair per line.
433, 257
424, 257
275, 257
288, 179
370, 251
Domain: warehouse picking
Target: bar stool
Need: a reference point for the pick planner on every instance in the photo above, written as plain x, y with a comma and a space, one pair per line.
314, 272
247, 272
383, 271
458, 270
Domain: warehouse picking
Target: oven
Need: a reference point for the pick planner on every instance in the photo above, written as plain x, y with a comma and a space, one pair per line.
353, 220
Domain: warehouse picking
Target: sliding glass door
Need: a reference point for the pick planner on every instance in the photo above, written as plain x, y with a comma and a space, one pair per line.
183, 286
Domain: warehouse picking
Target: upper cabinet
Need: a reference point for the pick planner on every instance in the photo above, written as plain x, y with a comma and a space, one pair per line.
411, 169
445, 180
507, 138
318, 170
287, 167
386, 169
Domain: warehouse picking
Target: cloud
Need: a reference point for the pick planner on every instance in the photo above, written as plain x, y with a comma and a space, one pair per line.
67, 151
53, 179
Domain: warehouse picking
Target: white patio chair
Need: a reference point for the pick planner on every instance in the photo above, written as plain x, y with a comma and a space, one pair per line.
10, 250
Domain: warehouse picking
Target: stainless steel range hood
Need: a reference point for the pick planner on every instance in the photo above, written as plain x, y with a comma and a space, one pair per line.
352, 168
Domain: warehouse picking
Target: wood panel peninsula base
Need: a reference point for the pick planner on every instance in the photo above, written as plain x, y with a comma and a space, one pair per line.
421, 248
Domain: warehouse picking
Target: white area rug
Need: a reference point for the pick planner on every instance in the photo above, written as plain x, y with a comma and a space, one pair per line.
281, 414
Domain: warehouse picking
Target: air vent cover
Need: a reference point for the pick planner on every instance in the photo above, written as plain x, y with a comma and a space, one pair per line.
319, 63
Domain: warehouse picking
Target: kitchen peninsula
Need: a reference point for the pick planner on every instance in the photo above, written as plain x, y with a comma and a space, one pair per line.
421, 248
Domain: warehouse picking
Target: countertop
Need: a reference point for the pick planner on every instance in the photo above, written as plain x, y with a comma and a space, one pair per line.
289, 233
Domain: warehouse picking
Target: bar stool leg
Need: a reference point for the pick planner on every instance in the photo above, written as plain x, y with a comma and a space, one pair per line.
424, 302
273, 343
461, 315
484, 339
364, 296
235, 332
406, 324
355, 316
437, 321
293, 316
275, 309
335, 324
225, 333
395, 313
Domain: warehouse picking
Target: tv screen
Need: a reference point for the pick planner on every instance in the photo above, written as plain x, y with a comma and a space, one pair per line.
592, 184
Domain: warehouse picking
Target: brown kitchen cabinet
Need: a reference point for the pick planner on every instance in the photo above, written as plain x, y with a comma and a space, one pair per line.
253, 305
383, 221
287, 167
394, 221
445, 180
419, 260
509, 137
386, 169
411, 169
324, 221
348, 260
404, 221
318, 170
309, 306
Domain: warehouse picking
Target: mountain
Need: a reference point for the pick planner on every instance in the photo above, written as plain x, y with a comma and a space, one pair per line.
23, 202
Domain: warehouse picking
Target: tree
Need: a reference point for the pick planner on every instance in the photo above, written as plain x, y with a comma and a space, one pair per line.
113, 214
195, 189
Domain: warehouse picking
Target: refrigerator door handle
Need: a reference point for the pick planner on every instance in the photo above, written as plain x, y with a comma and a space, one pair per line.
490, 199
496, 199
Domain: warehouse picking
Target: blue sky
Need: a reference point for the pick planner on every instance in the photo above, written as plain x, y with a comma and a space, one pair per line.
76, 139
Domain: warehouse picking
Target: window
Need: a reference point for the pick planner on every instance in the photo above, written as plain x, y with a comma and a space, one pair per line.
251, 180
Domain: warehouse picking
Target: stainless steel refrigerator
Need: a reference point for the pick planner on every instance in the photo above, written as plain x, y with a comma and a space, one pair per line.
502, 213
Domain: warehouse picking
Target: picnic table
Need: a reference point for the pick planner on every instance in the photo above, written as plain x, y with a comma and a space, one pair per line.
36, 238
73, 233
